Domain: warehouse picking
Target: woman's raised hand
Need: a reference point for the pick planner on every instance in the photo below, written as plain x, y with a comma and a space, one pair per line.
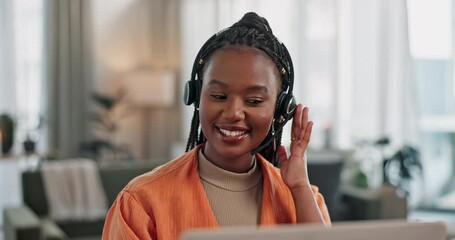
294, 168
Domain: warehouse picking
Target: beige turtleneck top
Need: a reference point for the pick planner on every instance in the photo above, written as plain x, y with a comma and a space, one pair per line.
235, 198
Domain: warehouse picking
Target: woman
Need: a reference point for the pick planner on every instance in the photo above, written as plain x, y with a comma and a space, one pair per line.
241, 87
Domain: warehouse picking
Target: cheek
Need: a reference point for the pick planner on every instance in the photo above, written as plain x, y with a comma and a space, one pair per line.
204, 112
207, 112
265, 115
265, 118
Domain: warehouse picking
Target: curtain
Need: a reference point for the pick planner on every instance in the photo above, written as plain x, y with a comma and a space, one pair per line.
130, 36
21, 64
377, 95
381, 98
45, 71
7, 97
68, 74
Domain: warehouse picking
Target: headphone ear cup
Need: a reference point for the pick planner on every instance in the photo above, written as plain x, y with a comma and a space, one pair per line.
285, 106
189, 93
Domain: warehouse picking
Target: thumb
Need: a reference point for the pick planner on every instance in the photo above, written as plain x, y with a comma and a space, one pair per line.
282, 155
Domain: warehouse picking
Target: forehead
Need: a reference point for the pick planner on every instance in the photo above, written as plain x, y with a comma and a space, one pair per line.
241, 62
241, 50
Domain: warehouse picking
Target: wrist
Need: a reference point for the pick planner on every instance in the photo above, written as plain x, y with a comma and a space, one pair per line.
301, 187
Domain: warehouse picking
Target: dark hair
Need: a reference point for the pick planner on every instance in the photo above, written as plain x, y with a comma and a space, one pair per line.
253, 31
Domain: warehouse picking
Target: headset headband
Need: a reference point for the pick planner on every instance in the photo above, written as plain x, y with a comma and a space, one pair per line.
285, 102
287, 68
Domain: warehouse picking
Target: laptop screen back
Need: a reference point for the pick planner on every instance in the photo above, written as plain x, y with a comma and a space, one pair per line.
371, 230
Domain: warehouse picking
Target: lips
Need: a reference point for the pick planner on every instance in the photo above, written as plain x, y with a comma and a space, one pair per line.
232, 134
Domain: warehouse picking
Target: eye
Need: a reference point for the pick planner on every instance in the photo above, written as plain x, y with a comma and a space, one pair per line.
254, 101
218, 96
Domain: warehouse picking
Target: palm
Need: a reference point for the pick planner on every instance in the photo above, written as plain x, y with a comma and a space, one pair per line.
293, 169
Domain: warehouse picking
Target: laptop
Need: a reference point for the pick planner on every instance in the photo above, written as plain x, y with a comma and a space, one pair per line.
360, 230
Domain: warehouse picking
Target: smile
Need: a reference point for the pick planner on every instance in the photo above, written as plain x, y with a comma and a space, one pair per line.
232, 133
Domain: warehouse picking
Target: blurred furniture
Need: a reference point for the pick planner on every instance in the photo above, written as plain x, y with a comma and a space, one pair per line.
31, 222
369, 204
346, 202
324, 171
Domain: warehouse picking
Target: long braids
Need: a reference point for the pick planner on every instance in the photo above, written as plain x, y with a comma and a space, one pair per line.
253, 31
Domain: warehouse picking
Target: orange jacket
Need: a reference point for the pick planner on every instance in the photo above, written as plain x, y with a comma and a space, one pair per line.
170, 199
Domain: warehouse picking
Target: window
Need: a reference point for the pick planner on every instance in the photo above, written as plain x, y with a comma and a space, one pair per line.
432, 56
21, 70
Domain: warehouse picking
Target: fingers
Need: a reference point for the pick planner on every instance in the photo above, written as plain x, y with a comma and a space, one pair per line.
282, 155
306, 127
307, 134
301, 127
296, 123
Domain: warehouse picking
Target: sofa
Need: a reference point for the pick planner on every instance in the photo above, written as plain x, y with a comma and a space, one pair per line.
30, 221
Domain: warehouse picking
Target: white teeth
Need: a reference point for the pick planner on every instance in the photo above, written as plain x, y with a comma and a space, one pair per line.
232, 133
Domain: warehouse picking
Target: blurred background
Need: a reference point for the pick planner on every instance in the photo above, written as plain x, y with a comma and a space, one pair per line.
103, 80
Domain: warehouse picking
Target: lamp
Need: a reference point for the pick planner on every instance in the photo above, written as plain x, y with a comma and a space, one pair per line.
149, 89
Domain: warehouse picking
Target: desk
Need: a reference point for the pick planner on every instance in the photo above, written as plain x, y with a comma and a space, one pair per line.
447, 217
379, 203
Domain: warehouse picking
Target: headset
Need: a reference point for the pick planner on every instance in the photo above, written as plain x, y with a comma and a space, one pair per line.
286, 103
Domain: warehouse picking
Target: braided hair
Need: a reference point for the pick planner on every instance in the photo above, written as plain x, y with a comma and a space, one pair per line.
253, 31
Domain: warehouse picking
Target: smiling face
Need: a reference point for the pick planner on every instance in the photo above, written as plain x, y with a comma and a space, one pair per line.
237, 105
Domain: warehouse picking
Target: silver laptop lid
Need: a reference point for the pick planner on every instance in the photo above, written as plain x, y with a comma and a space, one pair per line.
361, 230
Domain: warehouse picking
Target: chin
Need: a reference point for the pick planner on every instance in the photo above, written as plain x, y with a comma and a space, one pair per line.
233, 151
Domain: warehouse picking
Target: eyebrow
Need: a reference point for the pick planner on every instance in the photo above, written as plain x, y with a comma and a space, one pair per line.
252, 88
217, 82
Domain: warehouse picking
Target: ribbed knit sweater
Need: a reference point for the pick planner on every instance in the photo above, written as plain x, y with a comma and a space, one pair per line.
164, 203
235, 198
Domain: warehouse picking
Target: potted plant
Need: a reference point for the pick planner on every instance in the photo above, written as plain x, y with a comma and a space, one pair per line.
105, 120
401, 168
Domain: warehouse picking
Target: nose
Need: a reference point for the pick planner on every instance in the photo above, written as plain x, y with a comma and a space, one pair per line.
234, 110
